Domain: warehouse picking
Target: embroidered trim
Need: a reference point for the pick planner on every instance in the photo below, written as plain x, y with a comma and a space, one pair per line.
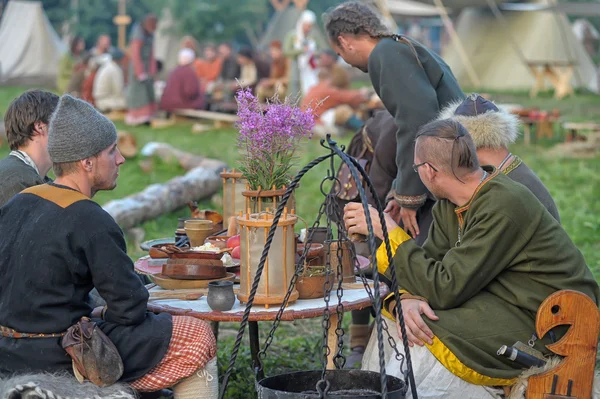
410, 200
513, 165
479, 187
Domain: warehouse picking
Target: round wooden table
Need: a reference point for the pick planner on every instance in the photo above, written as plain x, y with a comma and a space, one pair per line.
354, 297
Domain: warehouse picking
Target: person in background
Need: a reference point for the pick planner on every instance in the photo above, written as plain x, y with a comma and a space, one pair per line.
230, 69
141, 102
189, 42
334, 108
248, 71
87, 88
26, 122
301, 48
183, 89
103, 46
69, 64
208, 68
109, 85
276, 83
328, 60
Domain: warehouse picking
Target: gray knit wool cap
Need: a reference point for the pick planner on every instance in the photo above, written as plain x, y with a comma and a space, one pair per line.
77, 131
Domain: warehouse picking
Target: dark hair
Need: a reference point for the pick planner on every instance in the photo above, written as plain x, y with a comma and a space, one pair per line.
74, 42
246, 52
24, 111
354, 18
449, 145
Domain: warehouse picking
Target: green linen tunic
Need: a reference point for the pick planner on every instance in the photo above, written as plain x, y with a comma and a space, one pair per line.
487, 285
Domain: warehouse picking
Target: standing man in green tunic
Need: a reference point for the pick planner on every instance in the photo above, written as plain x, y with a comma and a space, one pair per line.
493, 254
413, 83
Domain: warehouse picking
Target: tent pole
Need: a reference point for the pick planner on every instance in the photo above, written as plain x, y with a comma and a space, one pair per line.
458, 43
385, 11
500, 17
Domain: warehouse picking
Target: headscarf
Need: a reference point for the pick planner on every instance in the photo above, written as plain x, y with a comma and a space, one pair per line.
307, 16
186, 56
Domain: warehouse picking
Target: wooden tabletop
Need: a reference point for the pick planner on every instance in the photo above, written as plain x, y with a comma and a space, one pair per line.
353, 299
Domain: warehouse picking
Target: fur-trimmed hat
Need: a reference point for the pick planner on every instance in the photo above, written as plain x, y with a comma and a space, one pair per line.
489, 126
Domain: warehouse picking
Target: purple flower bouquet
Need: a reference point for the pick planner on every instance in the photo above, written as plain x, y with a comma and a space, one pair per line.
269, 137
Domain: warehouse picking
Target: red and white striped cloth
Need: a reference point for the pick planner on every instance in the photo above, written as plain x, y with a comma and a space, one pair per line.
192, 346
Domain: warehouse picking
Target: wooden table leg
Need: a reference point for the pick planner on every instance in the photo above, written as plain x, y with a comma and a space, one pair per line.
527, 133
332, 340
254, 345
214, 326
563, 83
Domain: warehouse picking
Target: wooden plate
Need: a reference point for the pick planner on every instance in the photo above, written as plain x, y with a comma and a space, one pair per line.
172, 284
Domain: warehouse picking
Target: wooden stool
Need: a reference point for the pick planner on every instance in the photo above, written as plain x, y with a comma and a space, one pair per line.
574, 376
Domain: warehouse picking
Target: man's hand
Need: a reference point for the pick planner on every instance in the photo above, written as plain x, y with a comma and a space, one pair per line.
417, 331
393, 209
409, 221
356, 221
97, 312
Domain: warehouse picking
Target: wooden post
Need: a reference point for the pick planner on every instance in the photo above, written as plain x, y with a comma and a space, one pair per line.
122, 20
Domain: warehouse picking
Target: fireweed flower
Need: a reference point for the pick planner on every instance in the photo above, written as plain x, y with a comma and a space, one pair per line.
269, 136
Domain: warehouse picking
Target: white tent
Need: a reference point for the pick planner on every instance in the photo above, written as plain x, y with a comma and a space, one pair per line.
540, 36
30, 48
411, 8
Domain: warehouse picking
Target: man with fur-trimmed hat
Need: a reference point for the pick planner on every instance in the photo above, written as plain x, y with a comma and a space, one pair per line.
493, 130
57, 245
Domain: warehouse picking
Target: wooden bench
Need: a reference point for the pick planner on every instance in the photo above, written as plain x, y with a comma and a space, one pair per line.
559, 74
574, 128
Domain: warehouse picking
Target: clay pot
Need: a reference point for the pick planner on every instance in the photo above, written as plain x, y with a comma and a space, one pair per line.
319, 235
198, 230
220, 295
313, 287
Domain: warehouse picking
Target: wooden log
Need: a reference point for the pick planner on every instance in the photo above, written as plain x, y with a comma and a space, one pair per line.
200, 114
202, 181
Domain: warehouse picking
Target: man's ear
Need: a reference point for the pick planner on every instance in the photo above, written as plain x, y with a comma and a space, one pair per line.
430, 172
344, 43
39, 127
88, 164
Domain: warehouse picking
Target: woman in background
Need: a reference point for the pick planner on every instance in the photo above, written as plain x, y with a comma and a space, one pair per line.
141, 101
69, 63
301, 48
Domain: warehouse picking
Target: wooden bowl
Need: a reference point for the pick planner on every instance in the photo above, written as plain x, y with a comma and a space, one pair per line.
315, 255
174, 284
218, 241
199, 271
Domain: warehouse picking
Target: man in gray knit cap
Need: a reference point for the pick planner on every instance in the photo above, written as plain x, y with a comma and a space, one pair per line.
58, 245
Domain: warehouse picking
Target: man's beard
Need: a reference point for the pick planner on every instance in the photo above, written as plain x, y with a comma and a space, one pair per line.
438, 192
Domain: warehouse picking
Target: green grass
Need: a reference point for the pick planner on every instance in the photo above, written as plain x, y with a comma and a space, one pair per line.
574, 184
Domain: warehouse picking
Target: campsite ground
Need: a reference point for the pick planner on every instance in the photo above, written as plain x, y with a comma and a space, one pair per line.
574, 184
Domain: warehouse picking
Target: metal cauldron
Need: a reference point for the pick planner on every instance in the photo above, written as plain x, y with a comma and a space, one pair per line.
345, 384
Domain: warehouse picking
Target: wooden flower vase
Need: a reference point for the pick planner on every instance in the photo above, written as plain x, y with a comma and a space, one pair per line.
234, 202
280, 264
258, 201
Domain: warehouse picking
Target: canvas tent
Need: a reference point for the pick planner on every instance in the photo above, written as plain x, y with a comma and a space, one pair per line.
30, 48
284, 21
540, 36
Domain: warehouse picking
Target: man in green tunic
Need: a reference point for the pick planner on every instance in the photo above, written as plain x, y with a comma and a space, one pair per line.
493, 255
413, 83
